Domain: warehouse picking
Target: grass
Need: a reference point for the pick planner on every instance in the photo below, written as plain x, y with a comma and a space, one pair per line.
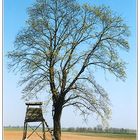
12, 129
17, 129
111, 135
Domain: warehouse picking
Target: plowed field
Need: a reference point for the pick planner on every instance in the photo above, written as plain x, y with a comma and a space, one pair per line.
17, 135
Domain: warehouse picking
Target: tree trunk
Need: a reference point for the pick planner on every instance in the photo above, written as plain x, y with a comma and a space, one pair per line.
57, 123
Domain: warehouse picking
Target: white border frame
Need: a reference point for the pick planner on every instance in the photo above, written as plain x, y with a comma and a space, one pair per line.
1, 70
138, 68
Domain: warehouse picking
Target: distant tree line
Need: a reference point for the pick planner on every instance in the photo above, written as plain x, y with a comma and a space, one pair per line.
97, 129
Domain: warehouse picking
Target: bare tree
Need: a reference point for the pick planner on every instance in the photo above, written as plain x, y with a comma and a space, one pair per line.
59, 48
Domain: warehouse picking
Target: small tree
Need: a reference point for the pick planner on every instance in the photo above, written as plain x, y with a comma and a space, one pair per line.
61, 45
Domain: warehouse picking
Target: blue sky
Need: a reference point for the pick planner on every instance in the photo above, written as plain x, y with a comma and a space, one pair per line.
123, 95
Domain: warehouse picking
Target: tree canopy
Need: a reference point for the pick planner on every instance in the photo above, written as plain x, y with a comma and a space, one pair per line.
60, 46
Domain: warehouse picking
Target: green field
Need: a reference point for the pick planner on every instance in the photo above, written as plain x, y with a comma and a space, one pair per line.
105, 134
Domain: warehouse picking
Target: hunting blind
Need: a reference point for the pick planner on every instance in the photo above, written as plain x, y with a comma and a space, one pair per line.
34, 114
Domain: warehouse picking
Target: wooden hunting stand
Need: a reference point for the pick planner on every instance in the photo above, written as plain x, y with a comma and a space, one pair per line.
34, 114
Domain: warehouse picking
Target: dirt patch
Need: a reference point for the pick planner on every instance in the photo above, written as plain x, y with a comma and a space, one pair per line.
17, 135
